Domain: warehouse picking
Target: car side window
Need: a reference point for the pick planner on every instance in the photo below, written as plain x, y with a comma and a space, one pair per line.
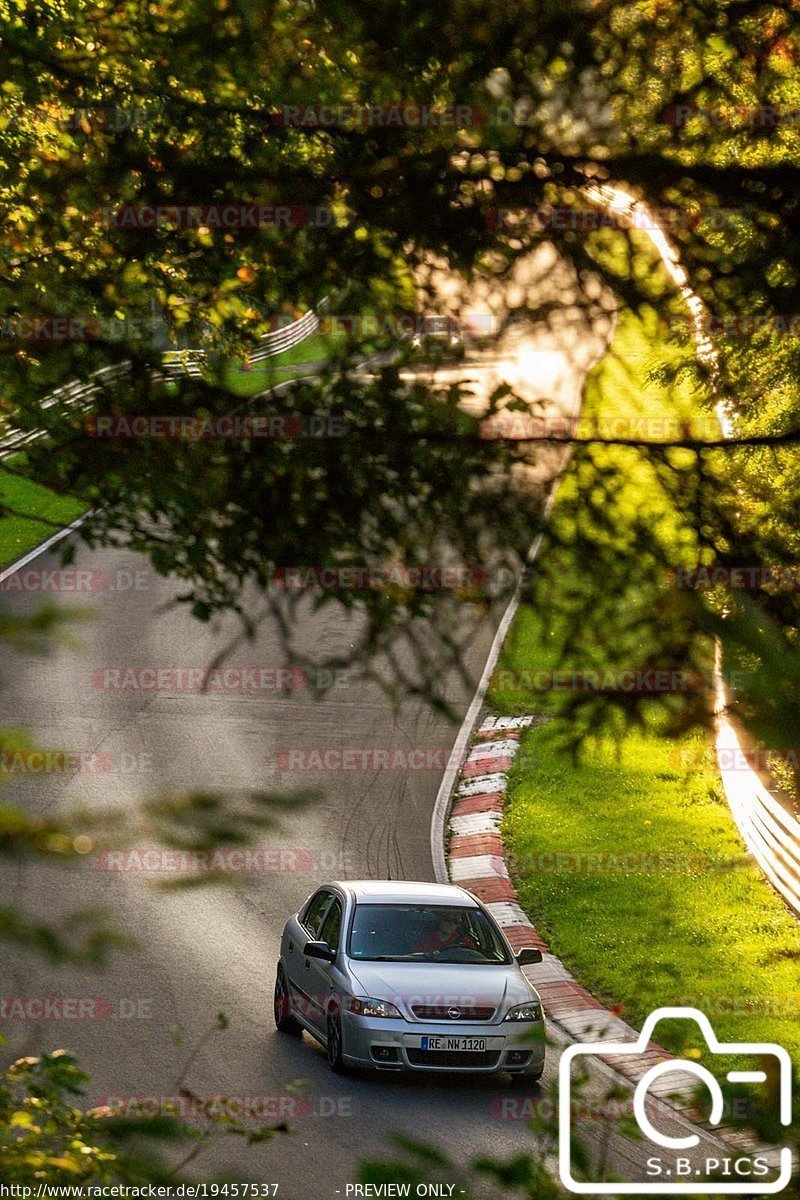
332, 926
315, 913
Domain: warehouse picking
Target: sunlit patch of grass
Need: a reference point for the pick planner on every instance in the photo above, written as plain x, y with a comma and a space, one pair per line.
36, 512
630, 865
626, 857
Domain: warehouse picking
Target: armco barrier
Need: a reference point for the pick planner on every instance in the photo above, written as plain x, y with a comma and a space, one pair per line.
74, 394
190, 361
770, 832
176, 362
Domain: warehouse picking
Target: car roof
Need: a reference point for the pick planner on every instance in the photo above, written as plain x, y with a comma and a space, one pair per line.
400, 891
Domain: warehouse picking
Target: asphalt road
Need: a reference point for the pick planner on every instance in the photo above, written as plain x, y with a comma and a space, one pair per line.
148, 1028
148, 1023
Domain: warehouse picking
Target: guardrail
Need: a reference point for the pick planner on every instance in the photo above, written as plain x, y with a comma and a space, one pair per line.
75, 394
176, 362
190, 361
770, 832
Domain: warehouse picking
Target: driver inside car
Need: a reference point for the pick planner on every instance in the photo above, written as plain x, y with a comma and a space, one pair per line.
449, 933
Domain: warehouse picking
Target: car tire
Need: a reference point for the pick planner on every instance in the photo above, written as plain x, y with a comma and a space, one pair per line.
334, 1044
284, 1021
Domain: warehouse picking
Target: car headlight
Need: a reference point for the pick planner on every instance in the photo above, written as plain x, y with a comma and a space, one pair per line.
532, 1011
367, 1006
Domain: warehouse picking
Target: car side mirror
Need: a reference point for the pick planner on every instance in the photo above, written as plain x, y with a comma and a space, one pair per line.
527, 956
320, 950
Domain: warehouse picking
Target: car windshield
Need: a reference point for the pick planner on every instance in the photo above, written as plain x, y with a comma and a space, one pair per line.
439, 325
434, 933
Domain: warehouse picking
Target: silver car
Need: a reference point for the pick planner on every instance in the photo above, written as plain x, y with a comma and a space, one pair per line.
408, 976
440, 334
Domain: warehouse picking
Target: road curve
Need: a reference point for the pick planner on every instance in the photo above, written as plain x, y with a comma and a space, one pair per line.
149, 1016
215, 949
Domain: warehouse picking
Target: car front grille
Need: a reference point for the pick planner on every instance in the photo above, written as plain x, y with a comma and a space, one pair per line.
453, 1058
441, 1012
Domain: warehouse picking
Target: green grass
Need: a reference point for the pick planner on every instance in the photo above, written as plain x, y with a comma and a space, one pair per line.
689, 919
318, 348
20, 533
685, 918
619, 392
281, 367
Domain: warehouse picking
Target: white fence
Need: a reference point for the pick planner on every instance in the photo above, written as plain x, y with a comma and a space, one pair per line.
770, 831
190, 361
76, 395
176, 362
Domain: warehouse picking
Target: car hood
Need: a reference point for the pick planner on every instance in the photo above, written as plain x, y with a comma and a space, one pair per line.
442, 984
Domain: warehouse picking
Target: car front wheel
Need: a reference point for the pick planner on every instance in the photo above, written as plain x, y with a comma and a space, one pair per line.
334, 1047
284, 1021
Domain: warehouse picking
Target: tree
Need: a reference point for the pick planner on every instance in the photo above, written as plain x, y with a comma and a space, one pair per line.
108, 116
110, 113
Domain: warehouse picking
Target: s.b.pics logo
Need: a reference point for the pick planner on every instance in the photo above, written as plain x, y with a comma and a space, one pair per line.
674, 1163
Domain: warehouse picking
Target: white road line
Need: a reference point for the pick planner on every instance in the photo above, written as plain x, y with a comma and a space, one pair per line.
40, 549
440, 808
442, 805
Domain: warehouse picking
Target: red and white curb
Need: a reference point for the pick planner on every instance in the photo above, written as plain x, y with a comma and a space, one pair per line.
476, 861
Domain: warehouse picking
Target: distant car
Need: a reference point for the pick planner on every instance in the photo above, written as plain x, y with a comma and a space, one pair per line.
438, 334
408, 976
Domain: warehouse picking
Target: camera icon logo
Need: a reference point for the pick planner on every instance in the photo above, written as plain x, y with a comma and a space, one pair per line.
668, 1172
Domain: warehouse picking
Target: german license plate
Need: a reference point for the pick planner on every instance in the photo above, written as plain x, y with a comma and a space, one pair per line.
476, 1044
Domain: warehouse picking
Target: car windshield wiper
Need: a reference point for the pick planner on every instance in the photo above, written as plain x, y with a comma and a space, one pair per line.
390, 957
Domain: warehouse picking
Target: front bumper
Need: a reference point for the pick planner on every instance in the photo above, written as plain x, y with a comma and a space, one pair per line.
395, 1045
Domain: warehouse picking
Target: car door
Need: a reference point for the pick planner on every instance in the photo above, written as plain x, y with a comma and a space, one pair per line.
305, 928
319, 972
